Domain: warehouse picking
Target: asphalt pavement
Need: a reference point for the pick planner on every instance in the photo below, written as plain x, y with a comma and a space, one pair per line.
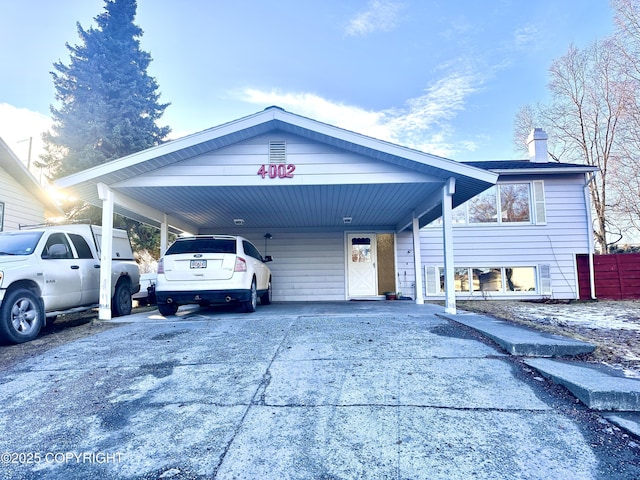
345, 390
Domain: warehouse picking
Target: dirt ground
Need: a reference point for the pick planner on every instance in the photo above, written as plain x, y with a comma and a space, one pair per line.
614, 326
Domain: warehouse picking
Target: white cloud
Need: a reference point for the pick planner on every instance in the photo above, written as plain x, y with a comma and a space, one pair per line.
19, 127
526, 36
380, 15
313, 106
424, 123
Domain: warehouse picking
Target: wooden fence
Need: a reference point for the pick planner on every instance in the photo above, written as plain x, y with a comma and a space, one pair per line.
617, 276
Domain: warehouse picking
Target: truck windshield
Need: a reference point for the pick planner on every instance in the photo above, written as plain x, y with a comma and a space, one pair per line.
18, 243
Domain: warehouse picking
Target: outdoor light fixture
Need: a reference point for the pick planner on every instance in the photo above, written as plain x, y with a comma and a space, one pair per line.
267, 237
238, 221
346, 220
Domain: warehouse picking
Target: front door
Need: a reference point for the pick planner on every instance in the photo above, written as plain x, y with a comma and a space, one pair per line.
362, 272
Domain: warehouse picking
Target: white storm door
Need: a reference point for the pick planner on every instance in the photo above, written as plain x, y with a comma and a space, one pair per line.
362, 272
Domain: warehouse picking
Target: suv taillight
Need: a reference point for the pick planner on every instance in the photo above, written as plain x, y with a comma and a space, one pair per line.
241, 265
161, 265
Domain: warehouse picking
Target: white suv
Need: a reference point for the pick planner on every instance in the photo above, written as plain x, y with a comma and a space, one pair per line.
212, 269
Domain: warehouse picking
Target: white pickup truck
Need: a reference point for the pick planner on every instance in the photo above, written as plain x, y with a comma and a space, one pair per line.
48, 271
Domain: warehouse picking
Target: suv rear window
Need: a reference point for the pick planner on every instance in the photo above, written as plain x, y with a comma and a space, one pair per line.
203, 245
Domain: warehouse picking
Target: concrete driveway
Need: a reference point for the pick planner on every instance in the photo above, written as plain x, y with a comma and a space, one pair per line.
351, 390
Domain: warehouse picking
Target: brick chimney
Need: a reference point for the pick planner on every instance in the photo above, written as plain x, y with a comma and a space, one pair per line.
537, 142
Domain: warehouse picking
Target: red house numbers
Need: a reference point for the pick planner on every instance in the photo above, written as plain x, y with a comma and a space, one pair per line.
279, 170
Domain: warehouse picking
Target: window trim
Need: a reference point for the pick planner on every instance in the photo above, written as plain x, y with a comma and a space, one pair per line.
1, 216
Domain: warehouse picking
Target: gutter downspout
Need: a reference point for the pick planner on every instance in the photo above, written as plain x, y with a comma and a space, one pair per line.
587, 203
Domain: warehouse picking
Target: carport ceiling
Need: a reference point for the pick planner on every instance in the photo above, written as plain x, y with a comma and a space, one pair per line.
287, 206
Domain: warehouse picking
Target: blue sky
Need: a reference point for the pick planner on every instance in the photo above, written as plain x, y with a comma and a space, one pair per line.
443, 76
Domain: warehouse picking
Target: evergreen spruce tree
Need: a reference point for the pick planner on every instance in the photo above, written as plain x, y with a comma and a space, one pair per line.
108, 104
108, 107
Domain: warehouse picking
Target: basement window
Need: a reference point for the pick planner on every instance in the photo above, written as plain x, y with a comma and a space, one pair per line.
496, 280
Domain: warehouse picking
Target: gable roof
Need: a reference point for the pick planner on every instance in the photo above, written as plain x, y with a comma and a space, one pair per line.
12, 165
144, 193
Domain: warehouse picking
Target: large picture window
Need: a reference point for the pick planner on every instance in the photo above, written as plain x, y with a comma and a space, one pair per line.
505, 203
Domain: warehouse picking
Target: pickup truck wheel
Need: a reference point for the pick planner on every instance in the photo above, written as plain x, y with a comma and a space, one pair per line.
167, 309
250, 305
21, 316
121, 301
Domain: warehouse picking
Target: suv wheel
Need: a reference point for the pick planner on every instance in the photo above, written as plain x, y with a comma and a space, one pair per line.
167, 309
265, 299
250, 305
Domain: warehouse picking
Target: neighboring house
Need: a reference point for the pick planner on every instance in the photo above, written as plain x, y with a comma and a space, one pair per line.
348, 217
23, 201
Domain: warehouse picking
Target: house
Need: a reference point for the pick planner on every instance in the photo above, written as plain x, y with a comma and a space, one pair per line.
346, 216
23, 201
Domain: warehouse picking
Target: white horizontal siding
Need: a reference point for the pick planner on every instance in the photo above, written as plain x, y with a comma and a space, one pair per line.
565, 234
306, 266
315, 164
20, 206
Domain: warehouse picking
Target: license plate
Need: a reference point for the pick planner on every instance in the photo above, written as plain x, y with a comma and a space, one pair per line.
198, 264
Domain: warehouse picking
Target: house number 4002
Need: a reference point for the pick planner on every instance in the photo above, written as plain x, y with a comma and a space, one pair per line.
280, 170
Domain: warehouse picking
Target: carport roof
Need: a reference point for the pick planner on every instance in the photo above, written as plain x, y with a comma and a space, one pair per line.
143, 193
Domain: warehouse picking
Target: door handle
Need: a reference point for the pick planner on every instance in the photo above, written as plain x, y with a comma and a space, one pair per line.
97, 265
75, 267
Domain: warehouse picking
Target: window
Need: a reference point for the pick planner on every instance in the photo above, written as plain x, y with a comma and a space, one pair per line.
82, 247
488, 280
250, 250
505, 203
19, 243
57, 247
514, 203
202, 245
483, 208
520, 279
361, 250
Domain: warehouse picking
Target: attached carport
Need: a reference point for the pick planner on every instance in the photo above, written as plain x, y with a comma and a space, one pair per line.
277, 170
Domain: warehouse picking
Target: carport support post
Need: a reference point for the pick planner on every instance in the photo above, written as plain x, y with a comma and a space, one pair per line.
106, 195
164, 234
447, 236
417, 259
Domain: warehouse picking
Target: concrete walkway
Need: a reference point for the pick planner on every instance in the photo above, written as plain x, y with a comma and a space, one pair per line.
358, 390
598, 387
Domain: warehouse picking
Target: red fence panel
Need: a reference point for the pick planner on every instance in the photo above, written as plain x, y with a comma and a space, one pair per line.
617, 276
